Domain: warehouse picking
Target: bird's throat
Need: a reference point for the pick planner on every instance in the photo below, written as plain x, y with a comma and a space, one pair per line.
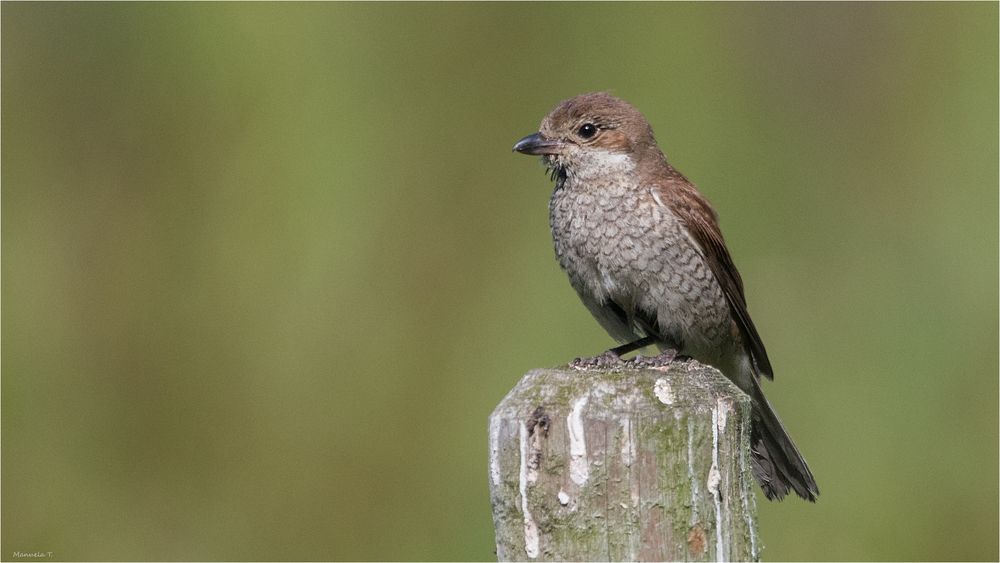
558, 174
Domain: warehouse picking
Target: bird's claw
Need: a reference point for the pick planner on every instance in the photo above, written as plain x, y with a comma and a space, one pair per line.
664, 359
605, 360
611, 359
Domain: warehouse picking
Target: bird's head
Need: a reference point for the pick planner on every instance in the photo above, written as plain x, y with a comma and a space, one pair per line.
592, 134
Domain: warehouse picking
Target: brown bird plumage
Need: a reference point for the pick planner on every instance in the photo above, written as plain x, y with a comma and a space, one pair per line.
643, 249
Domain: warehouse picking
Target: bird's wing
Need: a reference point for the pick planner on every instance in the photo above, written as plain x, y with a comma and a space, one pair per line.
702, 224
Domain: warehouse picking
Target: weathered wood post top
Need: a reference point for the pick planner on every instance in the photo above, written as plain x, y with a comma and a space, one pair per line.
623, 463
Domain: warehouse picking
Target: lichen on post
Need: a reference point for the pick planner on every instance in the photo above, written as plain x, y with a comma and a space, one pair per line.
623, 464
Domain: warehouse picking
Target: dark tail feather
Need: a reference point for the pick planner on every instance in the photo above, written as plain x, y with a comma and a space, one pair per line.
777, 463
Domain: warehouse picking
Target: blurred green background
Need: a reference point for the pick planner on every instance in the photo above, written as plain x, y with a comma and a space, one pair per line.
267, 268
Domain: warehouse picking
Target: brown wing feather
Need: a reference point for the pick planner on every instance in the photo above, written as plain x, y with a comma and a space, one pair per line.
694, 210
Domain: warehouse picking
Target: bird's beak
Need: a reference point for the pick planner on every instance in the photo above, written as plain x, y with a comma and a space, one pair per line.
537, 144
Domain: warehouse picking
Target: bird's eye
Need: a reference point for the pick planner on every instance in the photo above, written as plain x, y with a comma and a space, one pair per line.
587, 130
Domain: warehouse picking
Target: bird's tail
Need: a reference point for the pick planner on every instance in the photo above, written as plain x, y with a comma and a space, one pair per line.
777, 463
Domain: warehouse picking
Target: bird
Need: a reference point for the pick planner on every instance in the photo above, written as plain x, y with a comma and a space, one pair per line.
643, 249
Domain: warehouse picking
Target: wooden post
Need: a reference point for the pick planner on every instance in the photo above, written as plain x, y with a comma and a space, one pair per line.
623, 464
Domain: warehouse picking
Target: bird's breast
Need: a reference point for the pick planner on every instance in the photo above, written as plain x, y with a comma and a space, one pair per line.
612, 234
618, 242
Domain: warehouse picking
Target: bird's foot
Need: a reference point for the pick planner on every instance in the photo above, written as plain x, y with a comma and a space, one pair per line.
605, 360
664, 359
